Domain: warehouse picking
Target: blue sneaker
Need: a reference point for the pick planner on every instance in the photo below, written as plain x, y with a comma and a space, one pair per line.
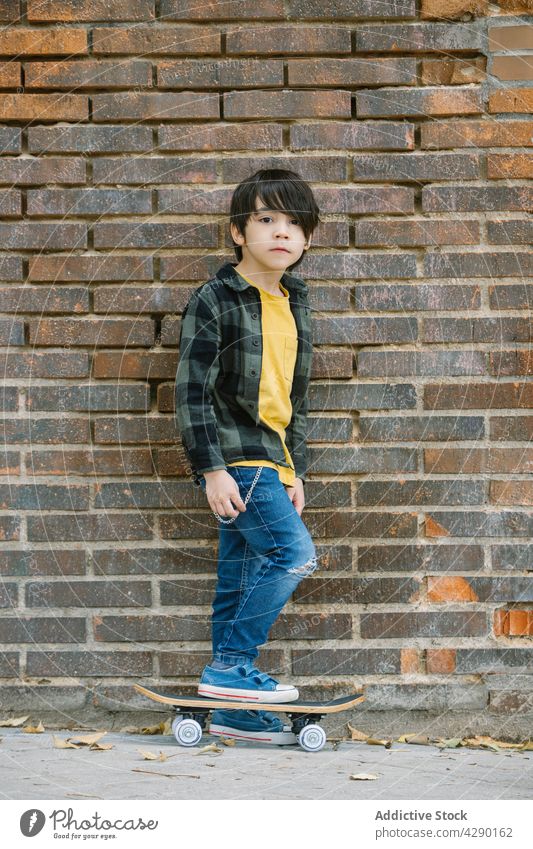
254, 725
244, 683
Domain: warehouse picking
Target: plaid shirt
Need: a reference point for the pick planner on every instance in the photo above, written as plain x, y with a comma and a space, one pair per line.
218, 375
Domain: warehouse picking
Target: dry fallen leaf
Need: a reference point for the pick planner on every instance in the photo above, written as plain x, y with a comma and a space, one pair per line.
151, 756
100, 747
356, 734
212, 747
418, 739
227, 741
364, 776
88, 739
33, 729
59, 743
13, 723
450, 743
372, 741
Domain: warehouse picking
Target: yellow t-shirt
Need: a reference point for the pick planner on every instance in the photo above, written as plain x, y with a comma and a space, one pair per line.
280, 345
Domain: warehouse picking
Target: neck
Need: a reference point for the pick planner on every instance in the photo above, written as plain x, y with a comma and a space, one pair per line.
266, 278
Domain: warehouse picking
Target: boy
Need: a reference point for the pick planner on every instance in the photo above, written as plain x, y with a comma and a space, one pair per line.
241, 408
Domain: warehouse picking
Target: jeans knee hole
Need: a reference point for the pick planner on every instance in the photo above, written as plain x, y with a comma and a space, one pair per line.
307, 568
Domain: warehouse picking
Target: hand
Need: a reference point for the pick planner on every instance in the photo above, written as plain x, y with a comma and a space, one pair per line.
296, 495
222, 493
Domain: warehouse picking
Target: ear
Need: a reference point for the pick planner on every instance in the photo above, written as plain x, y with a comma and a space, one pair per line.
237, 237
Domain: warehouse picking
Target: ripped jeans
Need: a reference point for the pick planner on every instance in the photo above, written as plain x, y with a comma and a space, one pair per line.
262, 557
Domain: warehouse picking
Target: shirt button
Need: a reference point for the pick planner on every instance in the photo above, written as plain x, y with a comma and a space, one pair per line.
254, 315
255, 342
253, 372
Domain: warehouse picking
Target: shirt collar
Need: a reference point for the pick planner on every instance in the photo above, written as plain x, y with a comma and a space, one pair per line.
232, 278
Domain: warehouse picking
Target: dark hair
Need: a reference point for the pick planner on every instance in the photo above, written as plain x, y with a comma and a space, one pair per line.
277, 188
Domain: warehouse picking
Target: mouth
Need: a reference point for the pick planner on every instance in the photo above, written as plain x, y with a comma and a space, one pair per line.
284, 250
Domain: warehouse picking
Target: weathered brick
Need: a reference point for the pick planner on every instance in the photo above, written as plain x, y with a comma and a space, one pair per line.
510, 297
175, 10
411, 232
359, 266
10, 74
474, 523
42, 562
43, 107
476, 198
510, 37
416, 558
355, 590
44, 497
26, 235
478, 264
443, 589
152, 39
351, 9
419, 37
452, 71
156, 235
87, 74
513, 623
289, 40
439, 135
151, 106
352, 72
155, 169
422, 102
89, 268
89, 139
440, 661
93, 664
95, 527
368, 134
490, 396
423, 624
48, 431
406, 297
510, 166
435, 698
512, 100
10, 203
418, 169
286, 104
22, 41
413, 492
210, 137
234, 73
9, 11
324, 169
112, 332
52, 170
516, 67
510, 231
346, 662
356, 199
96, 462
475, 661
98, 202
476, 461
90, 10
453, 9
88, 397
48, 629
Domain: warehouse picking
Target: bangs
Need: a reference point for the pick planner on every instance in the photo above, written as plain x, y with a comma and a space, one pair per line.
279, 189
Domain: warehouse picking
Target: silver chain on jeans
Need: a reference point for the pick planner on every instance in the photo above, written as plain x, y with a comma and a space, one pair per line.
246, 500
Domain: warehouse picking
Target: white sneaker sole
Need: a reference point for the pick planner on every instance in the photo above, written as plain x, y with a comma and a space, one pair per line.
271, 697
279, 738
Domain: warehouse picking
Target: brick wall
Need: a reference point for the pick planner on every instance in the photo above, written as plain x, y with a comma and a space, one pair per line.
124, 127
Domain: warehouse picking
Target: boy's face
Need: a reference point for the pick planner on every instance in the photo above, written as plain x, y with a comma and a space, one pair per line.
272, 238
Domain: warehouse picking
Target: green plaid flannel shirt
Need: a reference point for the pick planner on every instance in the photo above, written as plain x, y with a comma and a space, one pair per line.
218, 375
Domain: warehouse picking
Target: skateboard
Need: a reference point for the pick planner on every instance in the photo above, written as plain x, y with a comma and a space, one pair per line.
192, 712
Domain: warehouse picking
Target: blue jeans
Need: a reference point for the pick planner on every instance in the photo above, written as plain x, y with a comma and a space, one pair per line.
262, 557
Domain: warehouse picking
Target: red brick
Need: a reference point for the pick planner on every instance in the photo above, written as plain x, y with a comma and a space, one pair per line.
452, 71
396, 102
22, 41
287, 104
43, 107
90, 10
220, 10
514, 67
411, 661
512, 100
288, 40
440, 661
87, 74
9, 74
450, 589
445, 134
148, 40
513, 623
453, 9
148, 106
509, 166
511, 37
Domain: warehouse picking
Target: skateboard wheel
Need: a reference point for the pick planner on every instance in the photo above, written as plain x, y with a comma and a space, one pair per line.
175, 722
187, 732
312, 738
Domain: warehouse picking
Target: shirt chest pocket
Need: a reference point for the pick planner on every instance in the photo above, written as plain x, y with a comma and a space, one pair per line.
289, 357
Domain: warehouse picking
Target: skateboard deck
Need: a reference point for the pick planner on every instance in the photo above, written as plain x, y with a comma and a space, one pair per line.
298, 706
192, 712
